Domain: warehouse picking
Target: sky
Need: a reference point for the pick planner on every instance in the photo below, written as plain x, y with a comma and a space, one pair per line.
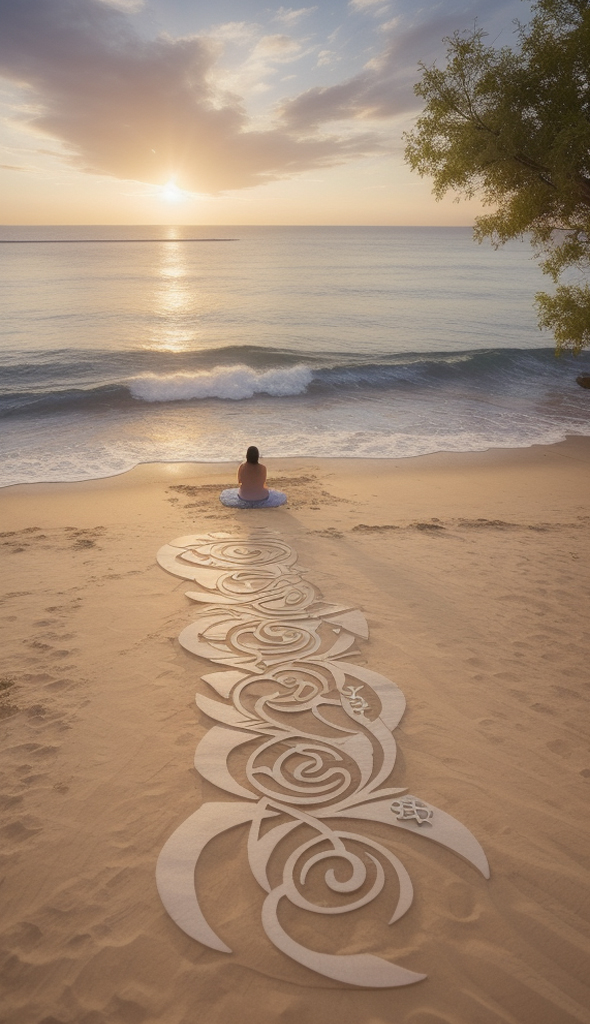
222, 111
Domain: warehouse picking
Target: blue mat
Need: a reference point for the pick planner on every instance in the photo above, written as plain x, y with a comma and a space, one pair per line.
231, 498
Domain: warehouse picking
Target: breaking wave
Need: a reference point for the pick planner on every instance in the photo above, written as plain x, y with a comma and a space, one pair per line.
91, 382
227, 382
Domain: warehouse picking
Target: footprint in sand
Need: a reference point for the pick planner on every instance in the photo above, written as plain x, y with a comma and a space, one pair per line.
364, 528
461, 902
21, 831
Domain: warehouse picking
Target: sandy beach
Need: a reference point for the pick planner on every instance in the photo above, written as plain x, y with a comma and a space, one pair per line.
473, 573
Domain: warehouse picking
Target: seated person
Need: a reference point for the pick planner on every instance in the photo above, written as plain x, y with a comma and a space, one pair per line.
252, 477
252, 492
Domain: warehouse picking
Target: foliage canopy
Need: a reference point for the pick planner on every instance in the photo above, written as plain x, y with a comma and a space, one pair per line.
513, 126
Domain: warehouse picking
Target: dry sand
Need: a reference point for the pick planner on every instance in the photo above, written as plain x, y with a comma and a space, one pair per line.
474, 574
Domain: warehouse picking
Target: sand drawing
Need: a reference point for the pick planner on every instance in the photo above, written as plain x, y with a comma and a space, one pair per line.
305, 746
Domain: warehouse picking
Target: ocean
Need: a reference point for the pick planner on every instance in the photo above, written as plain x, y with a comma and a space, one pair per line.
128, 345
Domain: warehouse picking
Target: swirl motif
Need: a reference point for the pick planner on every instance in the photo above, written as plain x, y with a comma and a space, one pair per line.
304, 739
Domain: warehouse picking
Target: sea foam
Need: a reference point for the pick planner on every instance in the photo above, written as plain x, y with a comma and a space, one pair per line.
227, 382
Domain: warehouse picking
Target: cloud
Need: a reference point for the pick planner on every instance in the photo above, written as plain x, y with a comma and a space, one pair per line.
147, 110
367, 5
325, 57
261, 64
290, 17
384, 87
234, 32
387, 26
125, 5
280, 47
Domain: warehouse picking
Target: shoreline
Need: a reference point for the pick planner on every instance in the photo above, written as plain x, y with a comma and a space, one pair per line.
572, 446
472, 571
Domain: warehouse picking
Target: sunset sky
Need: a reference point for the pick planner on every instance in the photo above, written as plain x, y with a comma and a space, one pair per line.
225, 112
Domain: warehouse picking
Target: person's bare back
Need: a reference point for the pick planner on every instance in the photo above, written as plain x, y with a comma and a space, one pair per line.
252, 477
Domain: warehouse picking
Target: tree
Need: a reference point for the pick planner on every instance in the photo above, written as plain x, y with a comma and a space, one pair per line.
513, 125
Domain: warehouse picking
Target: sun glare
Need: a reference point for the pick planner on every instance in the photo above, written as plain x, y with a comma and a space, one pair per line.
172, 193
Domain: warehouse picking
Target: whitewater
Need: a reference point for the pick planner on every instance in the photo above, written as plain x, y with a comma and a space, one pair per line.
341, 342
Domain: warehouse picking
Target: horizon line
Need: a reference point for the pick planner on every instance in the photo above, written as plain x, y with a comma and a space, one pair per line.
459, 227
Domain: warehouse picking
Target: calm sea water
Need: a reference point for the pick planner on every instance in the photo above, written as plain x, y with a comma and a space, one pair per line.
127, 345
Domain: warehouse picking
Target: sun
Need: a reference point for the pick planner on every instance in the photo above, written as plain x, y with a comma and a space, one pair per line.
171, 193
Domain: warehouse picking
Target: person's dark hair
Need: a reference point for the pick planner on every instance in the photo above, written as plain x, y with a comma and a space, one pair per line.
252, 454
